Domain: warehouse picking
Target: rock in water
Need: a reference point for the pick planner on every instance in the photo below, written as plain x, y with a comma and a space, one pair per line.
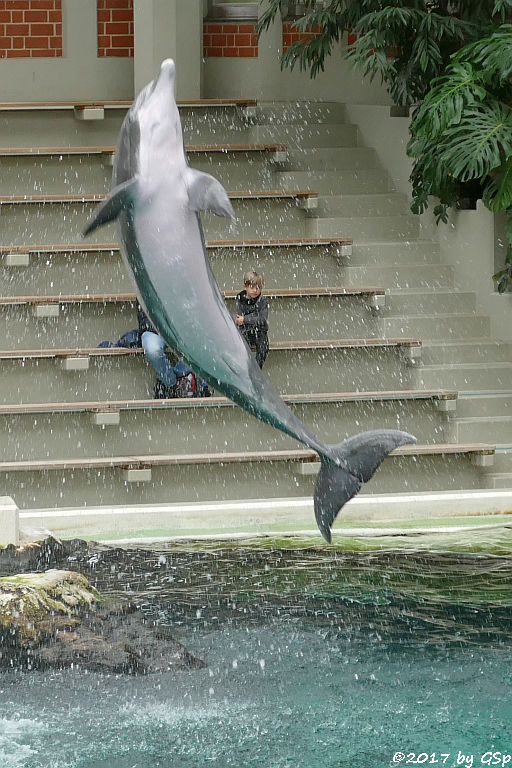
58, 619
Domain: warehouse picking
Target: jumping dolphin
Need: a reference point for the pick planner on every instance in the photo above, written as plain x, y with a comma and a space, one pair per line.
156, 198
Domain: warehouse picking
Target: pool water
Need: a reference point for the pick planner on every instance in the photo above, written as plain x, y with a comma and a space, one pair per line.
316, 659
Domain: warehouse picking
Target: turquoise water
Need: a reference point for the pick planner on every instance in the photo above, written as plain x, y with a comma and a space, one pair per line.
314, 660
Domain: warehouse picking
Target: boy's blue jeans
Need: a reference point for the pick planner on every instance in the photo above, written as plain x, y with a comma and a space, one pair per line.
154, 349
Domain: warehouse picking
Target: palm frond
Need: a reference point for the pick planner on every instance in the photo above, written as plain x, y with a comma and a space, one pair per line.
270, 13
368, 55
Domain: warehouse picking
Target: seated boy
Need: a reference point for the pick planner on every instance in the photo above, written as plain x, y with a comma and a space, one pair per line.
169, 373
252, 315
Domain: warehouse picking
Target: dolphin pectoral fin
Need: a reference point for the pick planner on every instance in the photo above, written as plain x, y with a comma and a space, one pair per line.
205, 193
359, 457
120, 199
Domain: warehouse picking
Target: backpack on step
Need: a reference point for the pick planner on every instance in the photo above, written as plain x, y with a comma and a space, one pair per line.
186, 386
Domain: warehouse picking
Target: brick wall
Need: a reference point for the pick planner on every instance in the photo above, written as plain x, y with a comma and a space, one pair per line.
115, 27
292, 35
30, 28
233, 39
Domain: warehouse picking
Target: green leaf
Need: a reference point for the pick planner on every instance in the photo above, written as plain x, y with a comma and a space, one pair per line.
501, 7
449, 96
497, 194
492, 54
479, 143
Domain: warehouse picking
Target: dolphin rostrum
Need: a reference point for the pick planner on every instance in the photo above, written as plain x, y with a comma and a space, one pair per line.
156, 198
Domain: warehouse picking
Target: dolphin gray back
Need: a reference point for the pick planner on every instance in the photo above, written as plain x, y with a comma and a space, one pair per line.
125, 158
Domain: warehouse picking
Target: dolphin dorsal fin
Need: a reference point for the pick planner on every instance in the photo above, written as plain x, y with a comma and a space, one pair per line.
120, 199
205, 193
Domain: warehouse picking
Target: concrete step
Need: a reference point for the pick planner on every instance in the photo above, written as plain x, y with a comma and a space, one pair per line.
214, 123
499, 480
503, 461
77, 268
438, 301
66, 271
304, 135
450, 326
89, 482
60, 126
88, 173
85, 322
366, 228
331, 158
475, 350
498, 429
422, 276
326, 182
65, 174
74, 325
385, 204
236, 170
299, 112
500, 476
271, 217
48, 222
57, 127
485, 404
466, 377
79, 375
91, 269
396, 252
201, 426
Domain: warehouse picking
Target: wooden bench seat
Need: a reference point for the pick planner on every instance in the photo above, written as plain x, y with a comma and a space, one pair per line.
304, 196
61, 354
15, 106
280, 242
119, 298
298, 456
109, 406
110, 149
278, 293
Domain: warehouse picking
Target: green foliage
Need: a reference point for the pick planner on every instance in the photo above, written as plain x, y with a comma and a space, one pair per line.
462, 132
405, 43
504, 276
454, 58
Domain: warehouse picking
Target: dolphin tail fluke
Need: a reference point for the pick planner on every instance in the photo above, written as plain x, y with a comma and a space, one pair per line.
347, 466
120, 199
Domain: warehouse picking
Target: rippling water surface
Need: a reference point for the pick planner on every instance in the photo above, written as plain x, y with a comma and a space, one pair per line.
316, 659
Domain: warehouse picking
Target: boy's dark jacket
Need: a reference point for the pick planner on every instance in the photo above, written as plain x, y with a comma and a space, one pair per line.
255, 311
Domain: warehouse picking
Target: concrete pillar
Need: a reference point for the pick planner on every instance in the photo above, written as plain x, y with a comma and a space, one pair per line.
169, 29
9, 522
80, 31
270, 50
